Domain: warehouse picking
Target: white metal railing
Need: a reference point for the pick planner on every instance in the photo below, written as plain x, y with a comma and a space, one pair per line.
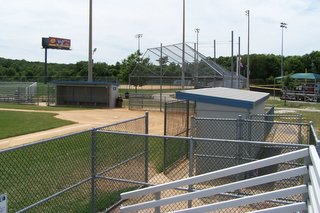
310, 170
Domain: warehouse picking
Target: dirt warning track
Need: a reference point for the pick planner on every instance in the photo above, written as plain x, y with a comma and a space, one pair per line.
85, 120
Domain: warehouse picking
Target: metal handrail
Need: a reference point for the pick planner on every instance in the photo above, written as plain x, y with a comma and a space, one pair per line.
312, 188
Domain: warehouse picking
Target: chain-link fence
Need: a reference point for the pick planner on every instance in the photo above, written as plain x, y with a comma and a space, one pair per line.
87, 171
154, 102
177, 116
251, 130
65, 174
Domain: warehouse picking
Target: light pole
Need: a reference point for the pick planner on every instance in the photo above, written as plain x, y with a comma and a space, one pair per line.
248, 54
283, 26
90, 43
139, 36
197, 30
93, 51
183, 43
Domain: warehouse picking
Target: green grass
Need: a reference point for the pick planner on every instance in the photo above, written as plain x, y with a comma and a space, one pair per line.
292, 104
314, 117
36, 171
42, 108
13, 123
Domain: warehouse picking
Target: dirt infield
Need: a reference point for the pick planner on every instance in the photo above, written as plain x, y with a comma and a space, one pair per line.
85, 120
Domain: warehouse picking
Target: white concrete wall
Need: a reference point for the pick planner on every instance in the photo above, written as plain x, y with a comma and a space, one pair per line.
113, 95
219, 111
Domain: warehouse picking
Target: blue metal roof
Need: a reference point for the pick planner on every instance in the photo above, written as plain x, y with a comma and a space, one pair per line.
225, 96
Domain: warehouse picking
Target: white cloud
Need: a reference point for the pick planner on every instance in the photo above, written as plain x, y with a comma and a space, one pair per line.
23, 23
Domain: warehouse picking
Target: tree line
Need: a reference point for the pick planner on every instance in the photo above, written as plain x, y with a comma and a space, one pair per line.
262, 67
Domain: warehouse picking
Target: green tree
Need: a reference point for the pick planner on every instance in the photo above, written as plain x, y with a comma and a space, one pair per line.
128, 66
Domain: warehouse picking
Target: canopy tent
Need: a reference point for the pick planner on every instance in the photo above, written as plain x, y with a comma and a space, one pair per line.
309, 76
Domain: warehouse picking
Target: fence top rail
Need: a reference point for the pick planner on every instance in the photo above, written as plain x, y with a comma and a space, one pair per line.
121, 122
220, 173
251, 120
262, 143
278, 115
49, 140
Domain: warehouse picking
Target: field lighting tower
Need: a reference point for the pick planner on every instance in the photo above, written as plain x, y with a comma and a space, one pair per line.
90, 43
139, 36
183, 43
248, 53
197, 56
283, 26
197, 50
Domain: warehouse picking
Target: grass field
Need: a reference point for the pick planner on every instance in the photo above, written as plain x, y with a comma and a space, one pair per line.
292, 104
43, 169
13, 123
41, 108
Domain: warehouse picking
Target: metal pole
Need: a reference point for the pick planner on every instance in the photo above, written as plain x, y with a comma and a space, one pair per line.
248, 54
232, 66
161, 70
197, 52
239, 63
146, 152
282, 54
90, 43
139, 36
282, 25
190, 168
183, 46
214, 50
187, 117
93, 170
45, 65
195, 64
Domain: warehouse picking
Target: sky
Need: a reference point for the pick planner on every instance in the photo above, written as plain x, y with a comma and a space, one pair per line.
116, 22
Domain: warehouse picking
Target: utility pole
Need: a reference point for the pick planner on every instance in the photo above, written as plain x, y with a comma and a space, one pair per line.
248, 53
283, 26
197, 55
90, 43
232, 65
214, 51
183, 44
239, 63
139, 36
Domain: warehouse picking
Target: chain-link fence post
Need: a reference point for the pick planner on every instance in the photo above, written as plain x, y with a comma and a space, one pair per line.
311, 138
165, 118
165, 139
239, 127
187, 118
146, 153
48, 95
93, 170
300, 130
190, 168
239, 137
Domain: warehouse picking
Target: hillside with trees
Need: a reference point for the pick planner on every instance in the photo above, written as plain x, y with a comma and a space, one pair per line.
263, 68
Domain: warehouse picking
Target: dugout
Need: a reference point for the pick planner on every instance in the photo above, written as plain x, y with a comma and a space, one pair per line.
86, 93
224, 105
